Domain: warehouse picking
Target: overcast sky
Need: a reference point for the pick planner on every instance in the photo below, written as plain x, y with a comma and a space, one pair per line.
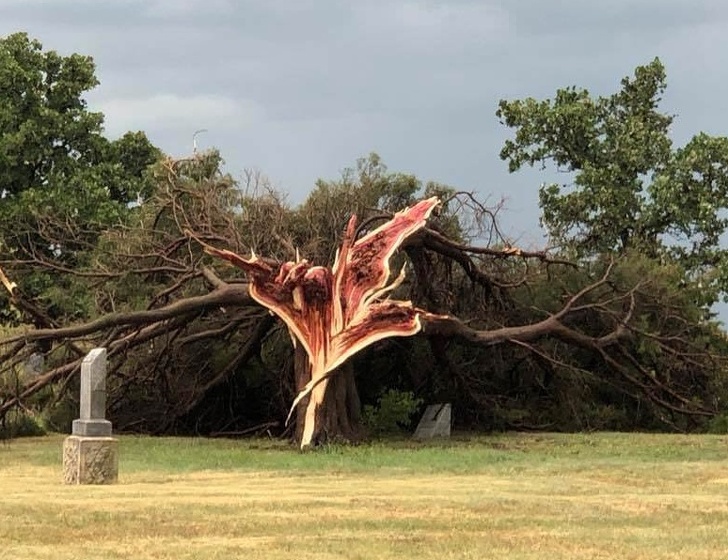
301, 88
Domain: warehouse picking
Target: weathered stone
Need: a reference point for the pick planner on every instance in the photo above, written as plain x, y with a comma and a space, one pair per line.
35, 364
91, 428
93, 384
90, 460
90, 455
435, 422
92, 420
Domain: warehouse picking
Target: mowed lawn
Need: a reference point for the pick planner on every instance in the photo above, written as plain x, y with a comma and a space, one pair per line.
541, 496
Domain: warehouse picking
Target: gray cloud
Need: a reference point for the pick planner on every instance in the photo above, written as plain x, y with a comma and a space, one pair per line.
301, 89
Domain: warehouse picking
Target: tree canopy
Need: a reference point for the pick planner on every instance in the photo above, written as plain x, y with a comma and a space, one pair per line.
60, 177
62, 182
101, 246
628, 187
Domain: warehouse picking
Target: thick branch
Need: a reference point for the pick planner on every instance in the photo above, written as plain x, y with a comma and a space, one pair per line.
226, 294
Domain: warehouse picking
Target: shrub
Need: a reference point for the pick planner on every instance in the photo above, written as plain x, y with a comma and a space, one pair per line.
20, 424
719, 424
392, 413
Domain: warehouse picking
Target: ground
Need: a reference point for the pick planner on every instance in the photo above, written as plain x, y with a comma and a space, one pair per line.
511, 496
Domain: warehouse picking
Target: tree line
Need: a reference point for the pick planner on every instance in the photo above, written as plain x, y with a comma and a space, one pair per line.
610, 327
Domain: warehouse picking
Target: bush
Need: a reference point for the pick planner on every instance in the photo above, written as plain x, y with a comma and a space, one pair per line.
59, 416
393, 412
20, 424
718, 424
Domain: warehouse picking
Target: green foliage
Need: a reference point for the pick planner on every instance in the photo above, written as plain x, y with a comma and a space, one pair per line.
46, 130
392, 413
661, 211
49, 136
502, 387
101, 255
366, 190
59, 415
718, 424
667, 345
631, 189
62, 182
19, 423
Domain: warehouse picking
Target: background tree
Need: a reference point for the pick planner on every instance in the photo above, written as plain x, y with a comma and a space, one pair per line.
630, 188
61, 181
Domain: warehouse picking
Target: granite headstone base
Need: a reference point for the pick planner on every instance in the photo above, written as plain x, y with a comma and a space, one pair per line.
91, 428
90, 460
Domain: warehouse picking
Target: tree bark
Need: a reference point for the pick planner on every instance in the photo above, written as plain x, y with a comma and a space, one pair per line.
336, 414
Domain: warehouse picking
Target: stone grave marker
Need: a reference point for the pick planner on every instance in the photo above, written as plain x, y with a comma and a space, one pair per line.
90, 454
435, 422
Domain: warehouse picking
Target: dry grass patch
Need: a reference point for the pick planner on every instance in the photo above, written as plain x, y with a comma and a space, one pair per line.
513, 497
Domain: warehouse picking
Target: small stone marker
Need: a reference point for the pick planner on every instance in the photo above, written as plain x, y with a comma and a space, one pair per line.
90, 454
34, 364
435, 422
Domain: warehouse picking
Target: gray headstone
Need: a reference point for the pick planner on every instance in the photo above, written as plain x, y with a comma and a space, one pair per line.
435, 422
92, 421
35, 363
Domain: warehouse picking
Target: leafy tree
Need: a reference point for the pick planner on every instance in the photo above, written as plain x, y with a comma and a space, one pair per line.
61, 180
631, 189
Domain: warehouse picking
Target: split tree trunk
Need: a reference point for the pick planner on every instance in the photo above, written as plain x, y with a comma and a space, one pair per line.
336, 412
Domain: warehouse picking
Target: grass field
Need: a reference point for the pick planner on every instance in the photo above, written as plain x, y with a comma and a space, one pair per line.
510, 496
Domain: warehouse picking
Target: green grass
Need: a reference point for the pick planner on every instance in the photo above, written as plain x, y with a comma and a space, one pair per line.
512, 496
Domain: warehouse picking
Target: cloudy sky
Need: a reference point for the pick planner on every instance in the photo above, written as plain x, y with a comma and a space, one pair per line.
301, 88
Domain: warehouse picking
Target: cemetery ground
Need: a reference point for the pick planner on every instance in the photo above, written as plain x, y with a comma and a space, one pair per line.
525, 496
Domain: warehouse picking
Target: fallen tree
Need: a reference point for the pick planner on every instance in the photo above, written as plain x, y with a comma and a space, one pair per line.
177, 330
